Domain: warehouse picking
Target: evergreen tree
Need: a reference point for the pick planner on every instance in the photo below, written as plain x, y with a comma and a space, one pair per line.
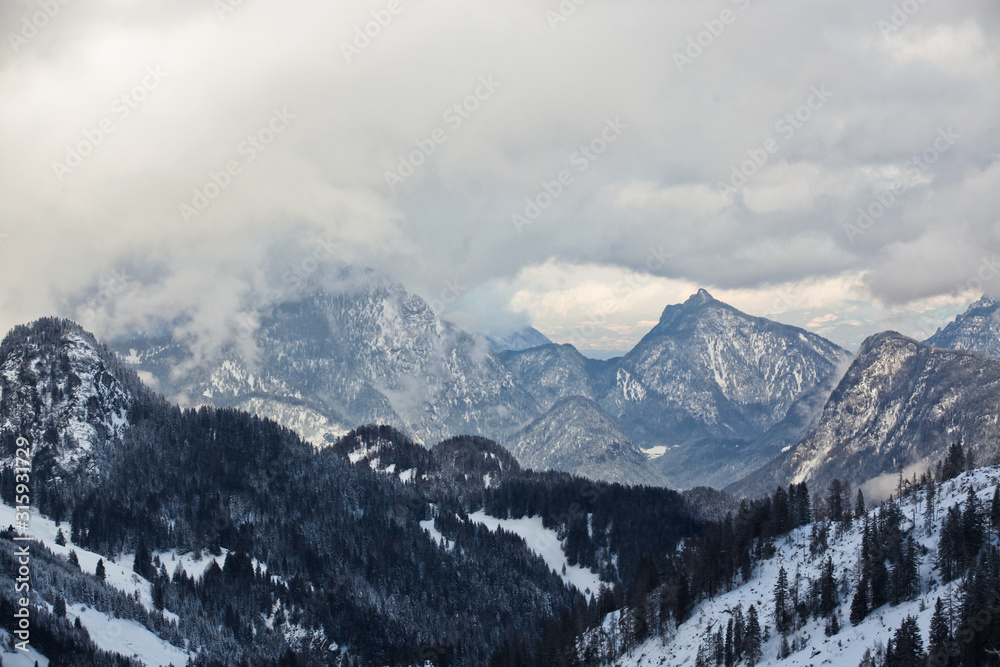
972, 527
954, 462
753, 639
908, 644
73, 558
940, 636
995, 509
835, 502
99, 571
859, 505
61, 538
931, 491
828, 598
859, 604
781, 620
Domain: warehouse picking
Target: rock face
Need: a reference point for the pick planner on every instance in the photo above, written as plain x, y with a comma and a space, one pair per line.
576, 435
370, 353
524, 339
64, 392
710, 391
977, 329
900, 404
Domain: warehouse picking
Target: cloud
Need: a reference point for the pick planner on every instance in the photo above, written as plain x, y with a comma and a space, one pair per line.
414, 93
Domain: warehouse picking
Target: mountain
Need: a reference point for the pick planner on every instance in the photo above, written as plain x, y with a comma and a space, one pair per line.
522, 339
900, 404
709, 391
977, 329
552, 372
66, 394
576, 436
823, 565
217, 536
362, 351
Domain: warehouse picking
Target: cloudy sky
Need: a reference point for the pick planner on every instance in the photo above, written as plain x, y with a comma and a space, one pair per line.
832, 164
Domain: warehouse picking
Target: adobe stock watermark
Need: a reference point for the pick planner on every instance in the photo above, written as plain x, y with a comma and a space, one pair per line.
248, 150
121, 108
704, 39
901, 14
885, 199
581, 159
294, 280
562, 13
363, 35
455, 116
786, 127
35, 23
224, 7
623, 290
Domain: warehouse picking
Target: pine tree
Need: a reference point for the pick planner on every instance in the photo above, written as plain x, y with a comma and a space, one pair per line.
781, 602
835, 502
995, 509
60, 538
940, 635
929, 510
827, 590
859, 505
954, 462
99, 571
972, 527
753, 638
73, 559
908, 644
859, 605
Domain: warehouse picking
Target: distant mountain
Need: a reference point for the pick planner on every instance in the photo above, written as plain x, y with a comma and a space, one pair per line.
901, 403
553, 372
576, 436
710, 391
524, 339
977, 329
366, 352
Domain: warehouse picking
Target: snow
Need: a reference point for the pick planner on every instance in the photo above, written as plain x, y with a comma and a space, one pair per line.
18, 658
545, 543
436, 535
119, 575
655, 452
847, 647
127, 638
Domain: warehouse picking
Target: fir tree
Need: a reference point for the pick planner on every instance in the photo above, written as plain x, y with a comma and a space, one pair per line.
99, 571
859, 604
60, 538
73, 558
753, 637
908, 644
781, 602
940, 635
859, 505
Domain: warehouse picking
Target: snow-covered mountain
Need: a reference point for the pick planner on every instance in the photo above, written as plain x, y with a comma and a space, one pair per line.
977, 329
710, 392
66, 393
803, 563
900, 404
576, 436
369, 352
522, 339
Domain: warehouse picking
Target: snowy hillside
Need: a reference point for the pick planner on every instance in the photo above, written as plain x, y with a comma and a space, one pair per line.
977, 329
848, 646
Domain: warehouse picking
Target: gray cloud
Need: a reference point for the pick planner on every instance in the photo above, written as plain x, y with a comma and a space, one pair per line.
205, 129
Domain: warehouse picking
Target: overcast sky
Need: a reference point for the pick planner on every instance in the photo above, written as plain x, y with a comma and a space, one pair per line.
577, 167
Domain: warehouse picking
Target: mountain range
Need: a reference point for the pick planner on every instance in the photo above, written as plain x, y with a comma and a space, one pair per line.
707, 392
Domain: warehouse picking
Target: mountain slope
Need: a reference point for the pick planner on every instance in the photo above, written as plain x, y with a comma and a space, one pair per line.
369, 352
899, 403
523, 339
575, 435
709, 380
811, 645
977, 329
64, 392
